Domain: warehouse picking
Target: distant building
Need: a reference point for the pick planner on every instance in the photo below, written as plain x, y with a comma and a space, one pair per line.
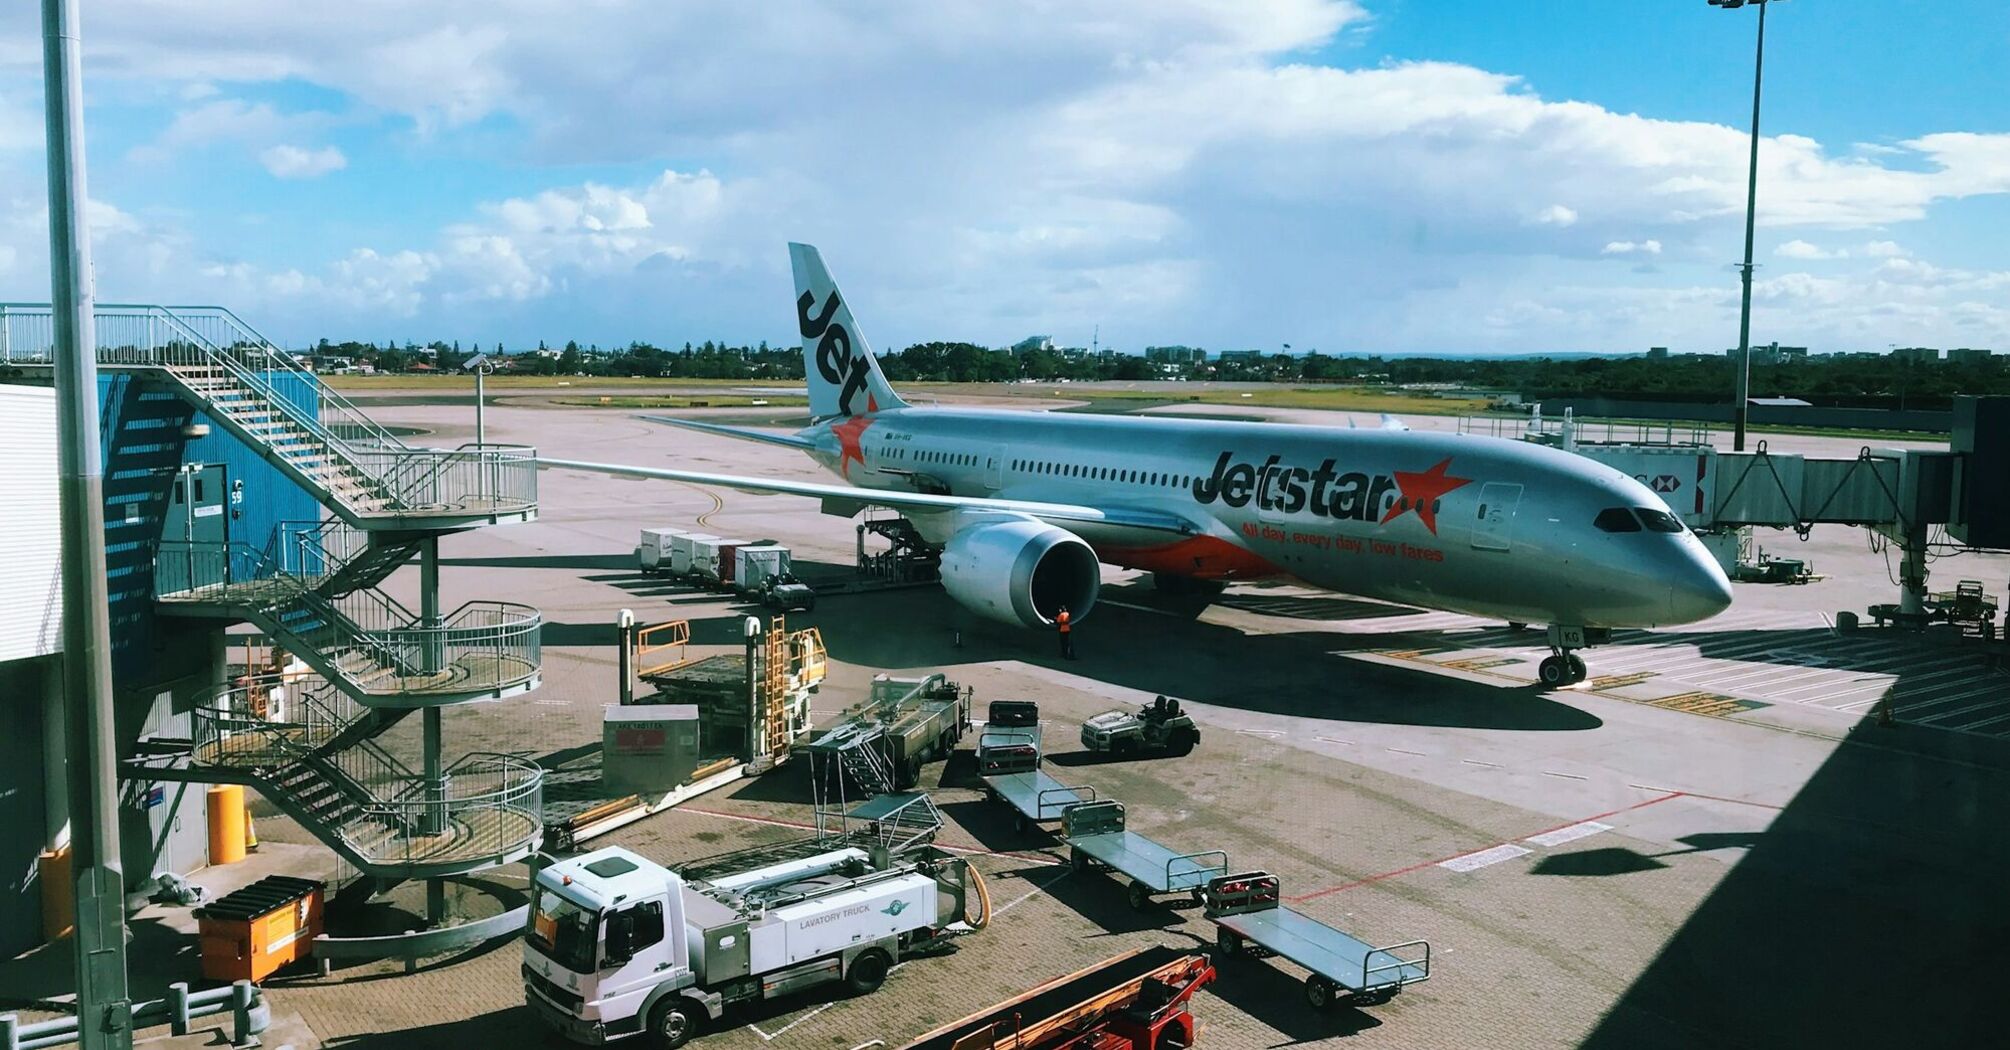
1657, 352
1241, 357
1771, 354
1917, 355
1175, 355
1968, 356
1032, 343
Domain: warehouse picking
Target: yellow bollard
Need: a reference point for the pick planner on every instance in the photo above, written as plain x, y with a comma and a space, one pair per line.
226, 824
59, 904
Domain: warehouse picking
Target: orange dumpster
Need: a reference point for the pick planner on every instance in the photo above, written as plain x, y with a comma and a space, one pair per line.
249, 933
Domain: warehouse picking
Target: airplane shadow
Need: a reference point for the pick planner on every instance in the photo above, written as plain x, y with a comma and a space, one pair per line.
1296, 673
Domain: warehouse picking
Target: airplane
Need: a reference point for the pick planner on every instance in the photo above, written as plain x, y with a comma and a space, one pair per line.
1027, 506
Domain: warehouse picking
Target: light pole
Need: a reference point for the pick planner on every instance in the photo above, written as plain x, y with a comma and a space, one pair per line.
1744, 408
481, 366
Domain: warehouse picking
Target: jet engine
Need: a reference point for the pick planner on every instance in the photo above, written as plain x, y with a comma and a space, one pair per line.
1020, 572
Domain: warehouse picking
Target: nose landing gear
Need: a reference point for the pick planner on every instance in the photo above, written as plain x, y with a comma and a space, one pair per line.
1563, 666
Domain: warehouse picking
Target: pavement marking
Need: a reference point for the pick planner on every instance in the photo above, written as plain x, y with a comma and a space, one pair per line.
1401, 751
1582, 829
1334, 740
1029, 894
1421, 865
1566, 776
1271, 733
1477, 762
1476, 861
779, 1031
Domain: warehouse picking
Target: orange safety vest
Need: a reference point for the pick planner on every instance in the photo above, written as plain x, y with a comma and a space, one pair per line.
1062, 622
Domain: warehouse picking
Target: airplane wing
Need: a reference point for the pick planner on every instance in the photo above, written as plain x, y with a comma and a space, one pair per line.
846, 496
784, 440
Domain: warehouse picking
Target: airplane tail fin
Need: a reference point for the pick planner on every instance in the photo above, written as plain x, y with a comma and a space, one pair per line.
844, 378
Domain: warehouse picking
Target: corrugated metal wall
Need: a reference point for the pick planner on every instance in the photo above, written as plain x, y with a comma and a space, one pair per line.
31, 608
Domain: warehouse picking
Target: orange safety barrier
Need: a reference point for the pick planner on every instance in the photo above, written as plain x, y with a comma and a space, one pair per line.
658, 638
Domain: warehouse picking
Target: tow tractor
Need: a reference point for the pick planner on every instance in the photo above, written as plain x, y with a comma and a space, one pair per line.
1008, 761
619, 945
1096, 835
1250, 919
783, 592
1137, 1001
1157, 726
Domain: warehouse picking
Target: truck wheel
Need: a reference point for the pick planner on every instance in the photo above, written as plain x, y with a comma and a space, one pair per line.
1141, 896
1181, 744
673, 1023
1078, 860
810, 605
1227, 941
868, 972
1318, 992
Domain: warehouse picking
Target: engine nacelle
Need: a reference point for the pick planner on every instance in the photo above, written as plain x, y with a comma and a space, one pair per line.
1021, 572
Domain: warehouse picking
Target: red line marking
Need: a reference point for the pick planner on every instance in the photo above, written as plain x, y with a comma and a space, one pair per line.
1038, 858
1466, 852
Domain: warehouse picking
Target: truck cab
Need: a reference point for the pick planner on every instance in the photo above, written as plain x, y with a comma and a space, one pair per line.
607, 938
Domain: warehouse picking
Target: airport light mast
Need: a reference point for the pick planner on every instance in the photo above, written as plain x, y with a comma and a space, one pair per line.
1743, 408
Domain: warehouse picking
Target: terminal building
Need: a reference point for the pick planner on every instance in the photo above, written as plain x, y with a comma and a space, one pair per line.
240, 492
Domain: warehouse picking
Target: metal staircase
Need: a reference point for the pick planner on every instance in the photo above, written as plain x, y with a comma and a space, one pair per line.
380, 652
316, 759
319, 438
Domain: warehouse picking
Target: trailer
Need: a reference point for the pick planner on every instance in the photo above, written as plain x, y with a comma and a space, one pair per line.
1096, 836
756, 563
903, 724
1008, 761
1140, 1000
620, 946
682, 547
652, 551
1250, 919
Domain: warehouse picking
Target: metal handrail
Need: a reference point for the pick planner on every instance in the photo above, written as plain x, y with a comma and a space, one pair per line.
489, 804
505, 634
1424, 963
403, 477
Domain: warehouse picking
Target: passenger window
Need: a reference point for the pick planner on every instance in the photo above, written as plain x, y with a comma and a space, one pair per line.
1616, 519
1658, 520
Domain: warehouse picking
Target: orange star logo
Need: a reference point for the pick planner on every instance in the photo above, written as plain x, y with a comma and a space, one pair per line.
850, 434
1420, 492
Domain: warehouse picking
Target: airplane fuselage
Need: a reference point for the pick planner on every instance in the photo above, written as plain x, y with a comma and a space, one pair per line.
1478, 525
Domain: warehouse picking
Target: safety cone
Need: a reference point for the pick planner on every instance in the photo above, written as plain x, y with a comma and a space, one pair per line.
250, 833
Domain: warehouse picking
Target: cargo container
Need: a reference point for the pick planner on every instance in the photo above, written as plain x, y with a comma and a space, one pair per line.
752, 565
707, 555
652, 553
681, 546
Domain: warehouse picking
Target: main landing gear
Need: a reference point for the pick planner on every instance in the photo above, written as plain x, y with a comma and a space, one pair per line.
1563, 666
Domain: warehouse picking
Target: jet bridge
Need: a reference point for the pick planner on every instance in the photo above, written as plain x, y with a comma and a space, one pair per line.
1915, 498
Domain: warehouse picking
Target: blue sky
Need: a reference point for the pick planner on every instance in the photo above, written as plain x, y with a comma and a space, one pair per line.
1385, 175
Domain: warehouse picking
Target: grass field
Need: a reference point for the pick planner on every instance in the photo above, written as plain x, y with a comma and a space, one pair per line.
455, 381
683, 401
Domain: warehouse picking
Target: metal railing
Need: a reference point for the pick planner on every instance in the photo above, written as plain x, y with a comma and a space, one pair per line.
1399, 965
482, 646
488, 805
245, 1002
406, 478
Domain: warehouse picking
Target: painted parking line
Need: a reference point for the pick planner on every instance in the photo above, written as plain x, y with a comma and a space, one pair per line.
1579, 830
1476, 861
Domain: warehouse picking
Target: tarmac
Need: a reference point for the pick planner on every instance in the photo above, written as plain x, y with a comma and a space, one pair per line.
1710, 843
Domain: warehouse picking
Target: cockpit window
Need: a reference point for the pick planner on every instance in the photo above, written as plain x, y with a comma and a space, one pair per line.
1616, 519
1658, 520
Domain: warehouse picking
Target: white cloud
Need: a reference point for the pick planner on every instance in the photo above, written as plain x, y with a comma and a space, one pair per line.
1883, 249
295, 162
1554, 215
1799, 249
1646, 247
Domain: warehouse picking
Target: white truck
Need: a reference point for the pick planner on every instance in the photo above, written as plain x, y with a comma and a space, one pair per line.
620, 946
683, 547
755, 564
652, 553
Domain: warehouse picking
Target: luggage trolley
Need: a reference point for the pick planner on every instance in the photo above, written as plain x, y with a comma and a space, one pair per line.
1096, 835
1008, 761
1250, 919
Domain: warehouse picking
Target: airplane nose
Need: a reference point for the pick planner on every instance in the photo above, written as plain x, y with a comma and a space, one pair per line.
1699, 591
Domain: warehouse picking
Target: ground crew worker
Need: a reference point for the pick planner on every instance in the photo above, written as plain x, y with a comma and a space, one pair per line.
1067, 639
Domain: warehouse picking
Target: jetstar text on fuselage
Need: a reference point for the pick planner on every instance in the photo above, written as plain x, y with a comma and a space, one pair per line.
1323, 491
